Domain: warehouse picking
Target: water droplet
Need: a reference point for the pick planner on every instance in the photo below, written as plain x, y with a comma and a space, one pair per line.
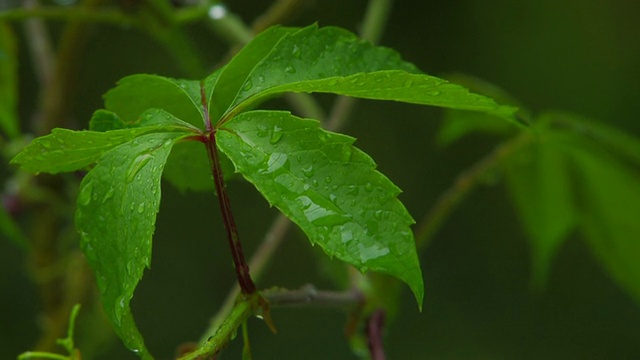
108, 195
378, 214
369, 187
353, 190
217, 12
408, 83
308, 171
434, 93
346, 236
276, 134
328, 180
84, 198
345, 153
333, 82
368, 253
320, 214
247, 85
137, 165
296, 51
314, 183
276, 162
140, 208
290, 69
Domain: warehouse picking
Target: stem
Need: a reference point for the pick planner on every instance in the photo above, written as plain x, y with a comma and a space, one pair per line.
113, 17
463, 184
374, 333
306, 296
242, 270
308, 107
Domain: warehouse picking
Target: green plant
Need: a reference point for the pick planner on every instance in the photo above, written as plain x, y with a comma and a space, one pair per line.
564, 173
316, 178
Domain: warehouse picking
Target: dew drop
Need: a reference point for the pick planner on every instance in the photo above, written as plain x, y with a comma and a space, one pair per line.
345, 153
108, 195
140, 208
368, 187
276, 162
290, 69
353, 190
378, 214
84, 198
308, 171
247, 85
276, 134
296, 51
328, 180
137, 165
434, 93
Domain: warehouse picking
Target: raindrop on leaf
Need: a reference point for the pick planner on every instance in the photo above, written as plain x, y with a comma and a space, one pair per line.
137, 165
276, 134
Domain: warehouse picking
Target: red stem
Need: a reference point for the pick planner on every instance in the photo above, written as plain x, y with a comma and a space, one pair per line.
374, 333
242, 270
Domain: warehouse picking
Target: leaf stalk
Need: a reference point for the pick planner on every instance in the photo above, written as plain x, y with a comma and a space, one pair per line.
242, 269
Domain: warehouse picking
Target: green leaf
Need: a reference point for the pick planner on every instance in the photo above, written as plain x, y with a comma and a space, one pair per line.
66, 150
136, 94
8, 82
458, 123
117, 206
609, 138
610, 198
329, 188
539, 183
188, 165
332, 60
235, 73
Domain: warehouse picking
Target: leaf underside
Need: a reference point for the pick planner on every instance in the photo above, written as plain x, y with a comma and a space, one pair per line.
328, 187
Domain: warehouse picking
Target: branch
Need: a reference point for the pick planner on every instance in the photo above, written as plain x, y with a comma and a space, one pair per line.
375, 326
277, 297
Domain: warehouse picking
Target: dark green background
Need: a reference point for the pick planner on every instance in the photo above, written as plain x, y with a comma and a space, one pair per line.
579, 56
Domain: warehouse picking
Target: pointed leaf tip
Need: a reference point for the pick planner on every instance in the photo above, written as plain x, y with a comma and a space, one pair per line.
329, 188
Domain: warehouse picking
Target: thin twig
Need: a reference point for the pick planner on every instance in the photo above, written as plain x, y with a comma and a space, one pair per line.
375, 327
277, 297
40, 46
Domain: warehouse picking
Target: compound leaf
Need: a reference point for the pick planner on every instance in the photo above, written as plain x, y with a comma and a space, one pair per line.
117, 206
329, 188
